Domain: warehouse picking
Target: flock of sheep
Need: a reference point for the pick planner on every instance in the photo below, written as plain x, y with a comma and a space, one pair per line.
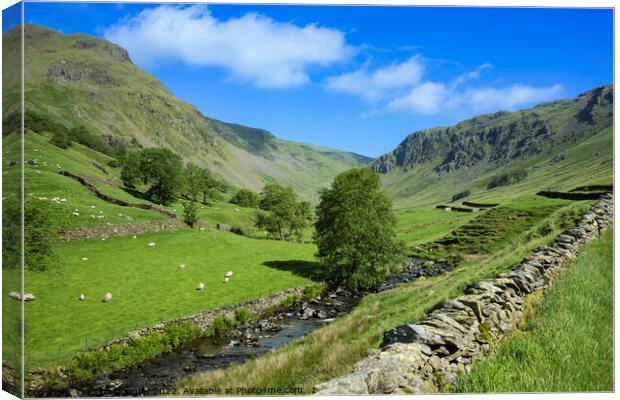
108, 296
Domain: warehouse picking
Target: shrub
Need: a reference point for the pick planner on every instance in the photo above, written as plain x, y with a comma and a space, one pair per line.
313, 291
90, 364
190, 213
507, 178
290, 301
282, 216
220, 325
461, 195
243, 315
60, 139
38, 253
245, 198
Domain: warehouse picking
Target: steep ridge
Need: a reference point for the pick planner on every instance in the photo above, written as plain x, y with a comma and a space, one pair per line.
541, 141
78, 80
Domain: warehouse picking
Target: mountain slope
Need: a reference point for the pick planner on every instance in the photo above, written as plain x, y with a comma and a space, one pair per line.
560, 145
76, 80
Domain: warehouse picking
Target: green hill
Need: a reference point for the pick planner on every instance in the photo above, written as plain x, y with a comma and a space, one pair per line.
78, 80
559, 146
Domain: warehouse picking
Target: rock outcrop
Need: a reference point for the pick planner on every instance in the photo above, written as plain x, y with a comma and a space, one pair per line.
423, 357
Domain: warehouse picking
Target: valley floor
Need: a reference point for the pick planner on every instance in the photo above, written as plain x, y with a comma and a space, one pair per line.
567, 345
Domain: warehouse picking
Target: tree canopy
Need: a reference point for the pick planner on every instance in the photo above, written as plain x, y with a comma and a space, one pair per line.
245, 198
282, 215
158, 167
355, 230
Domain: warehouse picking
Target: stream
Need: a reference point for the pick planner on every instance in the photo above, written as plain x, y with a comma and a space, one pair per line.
159, 375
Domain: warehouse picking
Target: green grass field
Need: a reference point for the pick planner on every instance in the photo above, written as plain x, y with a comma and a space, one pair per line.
567, 346
147, 285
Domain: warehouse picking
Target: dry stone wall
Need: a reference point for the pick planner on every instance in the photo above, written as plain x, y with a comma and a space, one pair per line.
105, 231
423, 357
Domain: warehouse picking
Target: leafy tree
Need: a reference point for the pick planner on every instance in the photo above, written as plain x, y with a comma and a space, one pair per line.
194, 181
158, 167
38, 254
282, 215
207, 184
461, 195
245, 198
60, 139
355, 230
190, 213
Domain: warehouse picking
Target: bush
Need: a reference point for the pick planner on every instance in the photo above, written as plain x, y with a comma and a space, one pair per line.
507, 178
190, 213
313, 291
355, 230
461, 195
38, 254
114, 163
88, 365
245, 198
243, 315
60, 139
220, 325
282, 216
290, 301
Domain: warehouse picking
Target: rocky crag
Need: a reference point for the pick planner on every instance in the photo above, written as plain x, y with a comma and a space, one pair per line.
424, 357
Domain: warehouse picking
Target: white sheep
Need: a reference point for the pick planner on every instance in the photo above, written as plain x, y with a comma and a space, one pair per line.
107, 297
226, 280
182, 266
201, 286
135, 237
82, 297
63, 200
151, 244
75, 214
84, 258
92, 206
229, 274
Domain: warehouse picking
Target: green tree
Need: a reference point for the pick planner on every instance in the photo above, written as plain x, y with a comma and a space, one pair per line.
158, 167
190, 213
282, 215
245, 198
61, 139
38, 254
355, 230
207, 184
194, 182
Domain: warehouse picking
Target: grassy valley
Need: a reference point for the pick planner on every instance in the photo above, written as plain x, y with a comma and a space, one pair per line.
503, 159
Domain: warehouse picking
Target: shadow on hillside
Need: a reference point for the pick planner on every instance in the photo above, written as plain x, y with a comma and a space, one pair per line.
135, 193
307, 269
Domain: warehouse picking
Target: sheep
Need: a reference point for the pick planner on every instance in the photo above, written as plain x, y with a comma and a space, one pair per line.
229, 274
151, 244
135, 237
84, 258
82, 298
182, 266
75, 214
92, 206
201, 286
63, 200
226, 280
107, 297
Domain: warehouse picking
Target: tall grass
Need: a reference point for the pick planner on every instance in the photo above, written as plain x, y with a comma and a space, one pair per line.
568, 344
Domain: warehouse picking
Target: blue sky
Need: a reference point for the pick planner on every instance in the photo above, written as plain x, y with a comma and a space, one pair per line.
352, 78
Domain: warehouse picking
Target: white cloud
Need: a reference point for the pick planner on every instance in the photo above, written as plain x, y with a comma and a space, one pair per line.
434, 98
252, 48
426, 98
374, 85
402, 87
